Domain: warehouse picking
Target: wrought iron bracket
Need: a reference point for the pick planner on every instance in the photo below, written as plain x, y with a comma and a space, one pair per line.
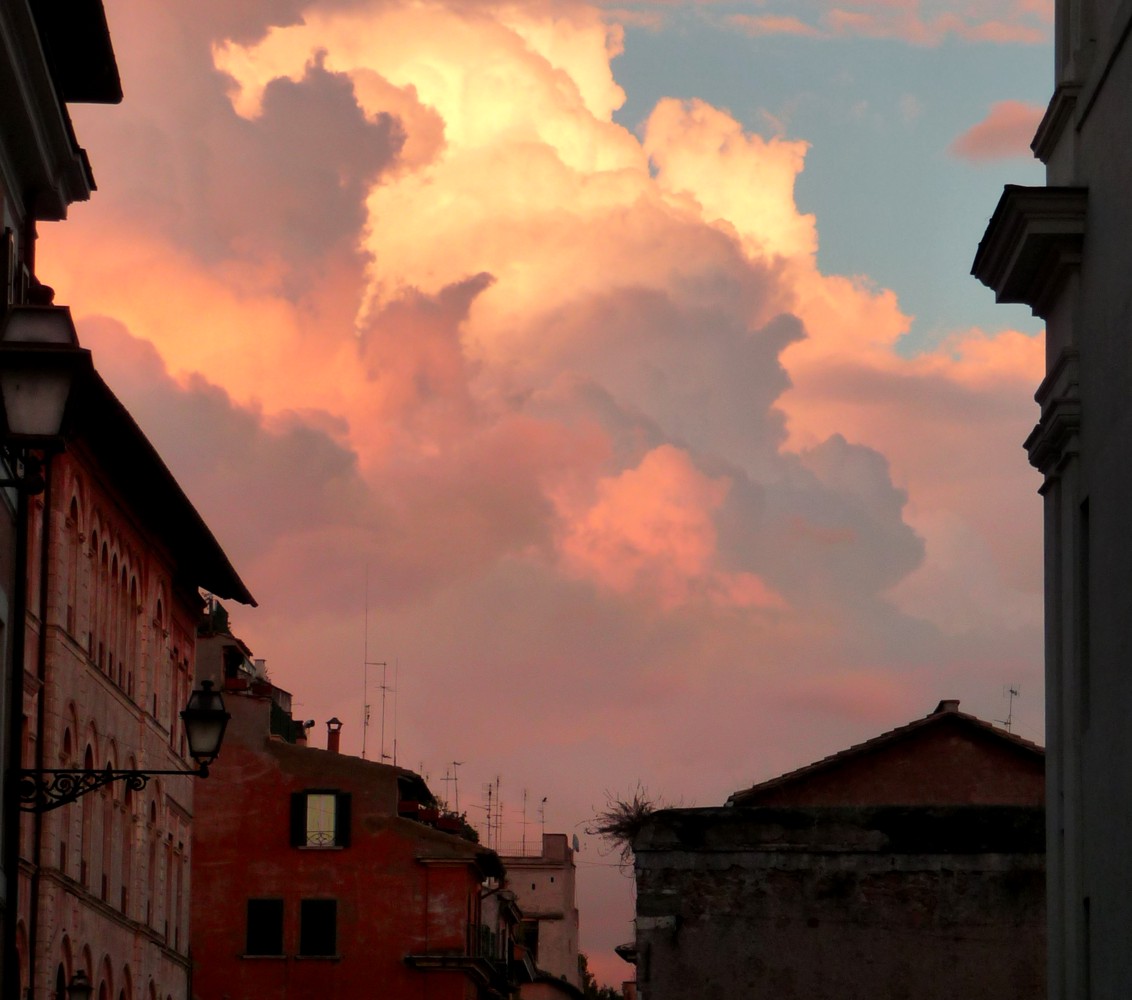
47, 789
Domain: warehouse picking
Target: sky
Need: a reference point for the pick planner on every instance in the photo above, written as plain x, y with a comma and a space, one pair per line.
612, 373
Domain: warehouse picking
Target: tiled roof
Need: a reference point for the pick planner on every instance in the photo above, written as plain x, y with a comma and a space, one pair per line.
946, 712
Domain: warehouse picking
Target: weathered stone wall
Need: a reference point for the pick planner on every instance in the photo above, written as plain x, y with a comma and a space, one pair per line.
841, 904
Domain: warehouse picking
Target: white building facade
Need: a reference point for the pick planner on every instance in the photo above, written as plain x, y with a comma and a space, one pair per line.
1065, 250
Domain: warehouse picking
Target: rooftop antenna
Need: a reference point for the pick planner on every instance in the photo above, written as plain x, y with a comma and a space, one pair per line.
452, 778
542, 819
396, 684
384, 688
523, 839
1009, 691
487, 790
498, 812
365, 665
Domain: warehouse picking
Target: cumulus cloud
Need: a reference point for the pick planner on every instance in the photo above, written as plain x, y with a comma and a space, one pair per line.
629, 477
1005, 133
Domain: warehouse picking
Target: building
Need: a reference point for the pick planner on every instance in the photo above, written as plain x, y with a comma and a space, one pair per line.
118, 556
318, 874
947, 758
50, 54
544, 889
1062, 249
924, 876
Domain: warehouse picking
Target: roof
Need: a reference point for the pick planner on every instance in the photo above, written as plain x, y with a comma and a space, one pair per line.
946, 714
76, 42
118, 447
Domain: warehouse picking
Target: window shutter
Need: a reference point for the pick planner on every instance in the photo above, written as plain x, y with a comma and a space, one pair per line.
342, 819
298, 819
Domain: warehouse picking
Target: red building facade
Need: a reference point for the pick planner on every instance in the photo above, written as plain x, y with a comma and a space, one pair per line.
314, 875
117, 555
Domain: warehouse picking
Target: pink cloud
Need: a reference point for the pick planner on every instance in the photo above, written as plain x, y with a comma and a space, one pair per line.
773, 24
1005, 133
917, 22
631, 478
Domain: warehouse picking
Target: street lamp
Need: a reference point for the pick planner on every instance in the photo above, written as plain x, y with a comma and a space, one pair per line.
40, 361
79, 987
205, 718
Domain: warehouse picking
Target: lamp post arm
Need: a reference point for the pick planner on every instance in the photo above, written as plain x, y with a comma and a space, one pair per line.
45, 789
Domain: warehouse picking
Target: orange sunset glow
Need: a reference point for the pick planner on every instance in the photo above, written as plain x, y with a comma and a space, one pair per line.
635, 486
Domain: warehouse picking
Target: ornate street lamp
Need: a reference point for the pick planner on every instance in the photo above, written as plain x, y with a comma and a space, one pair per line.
205, 720
79, 987
40, 361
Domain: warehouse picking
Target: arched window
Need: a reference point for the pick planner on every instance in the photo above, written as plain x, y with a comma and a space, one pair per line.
114, 599
157, 660
92, 598
103, 605
74, 564
108, 838
129, 833
87, 832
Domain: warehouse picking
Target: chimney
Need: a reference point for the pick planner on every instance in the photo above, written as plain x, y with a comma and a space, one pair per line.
333, 734
947, 705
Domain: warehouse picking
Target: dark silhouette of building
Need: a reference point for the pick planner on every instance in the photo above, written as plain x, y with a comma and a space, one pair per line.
909, 865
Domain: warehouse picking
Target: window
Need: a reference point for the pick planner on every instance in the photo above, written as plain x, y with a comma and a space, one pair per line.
265, 927
320, 818
318, 927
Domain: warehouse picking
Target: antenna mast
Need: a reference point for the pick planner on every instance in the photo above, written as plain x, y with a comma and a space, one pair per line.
1009, 691
523, 838
365, 667
396, 684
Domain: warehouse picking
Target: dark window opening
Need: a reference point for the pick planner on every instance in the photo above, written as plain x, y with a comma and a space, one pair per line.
265, 927
318, 927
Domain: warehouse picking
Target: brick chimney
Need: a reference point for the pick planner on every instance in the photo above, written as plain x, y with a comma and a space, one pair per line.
333, 734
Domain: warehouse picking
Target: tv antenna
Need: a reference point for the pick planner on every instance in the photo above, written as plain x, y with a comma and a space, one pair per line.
1010, 692
493, 808
366, 664
451, 777
523, 838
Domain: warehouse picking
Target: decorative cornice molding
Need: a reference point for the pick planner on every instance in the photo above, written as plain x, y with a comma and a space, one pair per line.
1055, 438
1032, 244
1058, 114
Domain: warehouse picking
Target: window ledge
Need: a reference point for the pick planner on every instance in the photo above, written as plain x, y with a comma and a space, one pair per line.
322, 847
262, 958
318, 958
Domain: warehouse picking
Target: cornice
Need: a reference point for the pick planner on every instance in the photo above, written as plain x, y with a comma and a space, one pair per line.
1058, 115
1055, 438
1032, 244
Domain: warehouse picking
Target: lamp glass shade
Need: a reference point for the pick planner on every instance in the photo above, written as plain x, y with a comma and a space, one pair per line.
205, 720
40, 358
35, 399
79, 987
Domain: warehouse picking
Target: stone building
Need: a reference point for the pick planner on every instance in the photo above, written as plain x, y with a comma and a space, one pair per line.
117, 558
1063, 250
544, 889
318, 874
50, 54
923, 877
